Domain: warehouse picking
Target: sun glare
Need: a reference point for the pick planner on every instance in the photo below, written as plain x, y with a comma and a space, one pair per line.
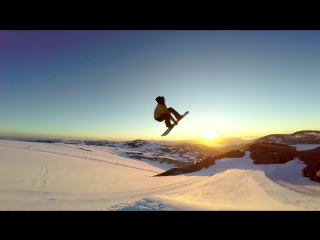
209, 135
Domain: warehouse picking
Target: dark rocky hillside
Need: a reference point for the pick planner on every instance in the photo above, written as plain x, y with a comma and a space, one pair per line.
262, 153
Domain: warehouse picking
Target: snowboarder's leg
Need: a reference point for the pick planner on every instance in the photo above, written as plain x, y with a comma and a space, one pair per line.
175, 113
166, 118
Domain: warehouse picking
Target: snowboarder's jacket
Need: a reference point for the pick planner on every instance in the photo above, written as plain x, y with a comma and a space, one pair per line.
161, 109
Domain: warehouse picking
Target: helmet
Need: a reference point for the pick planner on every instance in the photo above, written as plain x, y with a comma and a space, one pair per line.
160, 99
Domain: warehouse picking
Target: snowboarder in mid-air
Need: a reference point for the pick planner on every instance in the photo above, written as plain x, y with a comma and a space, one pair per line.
161, 113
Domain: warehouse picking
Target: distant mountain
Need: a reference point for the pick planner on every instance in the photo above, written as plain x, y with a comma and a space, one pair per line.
225, 142
299, 137
173, 142
199, 147
221, 145
219, 142
232, 147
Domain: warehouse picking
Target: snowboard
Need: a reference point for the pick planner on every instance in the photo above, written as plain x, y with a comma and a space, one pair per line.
169, 129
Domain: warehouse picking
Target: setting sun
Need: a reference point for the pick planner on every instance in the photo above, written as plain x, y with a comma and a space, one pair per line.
209, 135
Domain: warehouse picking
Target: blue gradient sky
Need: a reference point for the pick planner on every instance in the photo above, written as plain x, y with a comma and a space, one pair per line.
103, 84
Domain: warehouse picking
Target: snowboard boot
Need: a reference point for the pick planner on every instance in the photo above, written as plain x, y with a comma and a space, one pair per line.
179, 118
170, 126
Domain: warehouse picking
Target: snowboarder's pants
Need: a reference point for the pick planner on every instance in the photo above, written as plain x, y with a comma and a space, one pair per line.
166, 116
